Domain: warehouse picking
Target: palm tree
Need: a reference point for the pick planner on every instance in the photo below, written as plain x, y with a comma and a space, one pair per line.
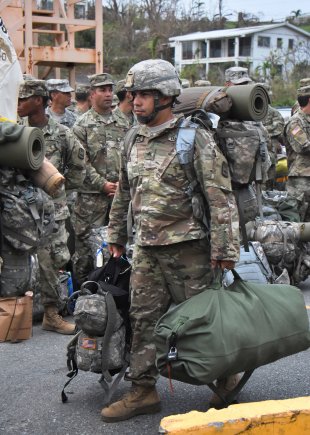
296, 13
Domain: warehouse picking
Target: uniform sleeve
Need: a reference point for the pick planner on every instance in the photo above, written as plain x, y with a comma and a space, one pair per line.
276, 124
117, 229
297, 137
75, 162
213, 175
93, 177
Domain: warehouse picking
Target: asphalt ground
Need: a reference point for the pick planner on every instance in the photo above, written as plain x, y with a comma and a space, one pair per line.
33, 372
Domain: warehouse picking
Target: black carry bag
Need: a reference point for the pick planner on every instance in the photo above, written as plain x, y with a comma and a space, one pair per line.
224, 331
101, 312
114, 277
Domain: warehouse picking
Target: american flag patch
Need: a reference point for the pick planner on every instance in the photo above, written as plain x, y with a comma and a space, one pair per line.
89, 343
296, 130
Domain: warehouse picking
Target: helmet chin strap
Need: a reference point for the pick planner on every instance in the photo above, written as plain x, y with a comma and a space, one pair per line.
157, 108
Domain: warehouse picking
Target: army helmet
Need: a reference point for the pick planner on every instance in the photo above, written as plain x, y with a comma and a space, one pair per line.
154, 74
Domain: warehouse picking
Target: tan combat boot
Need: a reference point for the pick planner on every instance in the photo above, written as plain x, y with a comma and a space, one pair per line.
139, 400
52, 321
225, 386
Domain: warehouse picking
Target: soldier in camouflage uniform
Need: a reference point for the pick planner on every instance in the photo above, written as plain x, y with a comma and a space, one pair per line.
302, 82
60, 95
82, 96
68, 156
100, 132
174, 254
297, 133
124, 109
274, 124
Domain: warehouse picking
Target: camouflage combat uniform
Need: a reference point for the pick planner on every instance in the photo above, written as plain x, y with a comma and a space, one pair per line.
121, 117
298, 152
171, 260
68, 118
65, 152
274, 124
101, 136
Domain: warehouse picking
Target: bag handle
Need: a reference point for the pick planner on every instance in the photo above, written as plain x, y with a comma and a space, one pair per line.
236, 275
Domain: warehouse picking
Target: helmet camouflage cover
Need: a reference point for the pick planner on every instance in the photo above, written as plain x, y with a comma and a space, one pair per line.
154, 74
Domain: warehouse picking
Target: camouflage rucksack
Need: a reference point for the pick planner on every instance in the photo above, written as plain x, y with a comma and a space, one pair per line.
101, 314
286, 245
27, 212
244, 144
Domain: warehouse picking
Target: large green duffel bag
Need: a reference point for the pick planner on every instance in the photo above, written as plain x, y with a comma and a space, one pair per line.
220, 332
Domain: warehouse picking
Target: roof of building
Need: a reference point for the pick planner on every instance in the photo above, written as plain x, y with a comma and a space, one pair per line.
230, 33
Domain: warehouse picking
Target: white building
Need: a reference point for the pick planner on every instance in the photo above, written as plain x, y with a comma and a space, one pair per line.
246, 46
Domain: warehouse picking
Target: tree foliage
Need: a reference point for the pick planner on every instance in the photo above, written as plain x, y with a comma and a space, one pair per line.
140, 29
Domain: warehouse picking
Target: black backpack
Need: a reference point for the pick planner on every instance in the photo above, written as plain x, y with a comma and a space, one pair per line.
107, 285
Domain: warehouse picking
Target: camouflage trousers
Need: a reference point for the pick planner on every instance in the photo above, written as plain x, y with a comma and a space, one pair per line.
15, 272
161, 275
91, 211
52, 257
299, 188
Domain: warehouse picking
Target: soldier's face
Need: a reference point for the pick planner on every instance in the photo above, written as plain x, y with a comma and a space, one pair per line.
102, 97
144, 108
62, 98
27, 106
143, 103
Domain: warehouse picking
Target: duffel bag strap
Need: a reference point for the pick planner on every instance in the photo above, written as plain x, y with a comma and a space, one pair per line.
230, 397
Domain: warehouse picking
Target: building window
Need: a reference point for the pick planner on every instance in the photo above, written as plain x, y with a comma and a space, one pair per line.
279, 42
245, 46
203, 49
279, 69
215, 48
263, 41
187, 50
291, 44
231, 47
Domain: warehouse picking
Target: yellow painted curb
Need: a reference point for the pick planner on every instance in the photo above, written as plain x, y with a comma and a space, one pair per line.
272, 417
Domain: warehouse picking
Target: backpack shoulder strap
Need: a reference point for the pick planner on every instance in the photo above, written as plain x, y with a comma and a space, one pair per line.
71, 364
185, 151
129, 140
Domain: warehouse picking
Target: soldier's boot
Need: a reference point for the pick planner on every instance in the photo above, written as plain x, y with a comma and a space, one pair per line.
52, 321
139, 400
225, 386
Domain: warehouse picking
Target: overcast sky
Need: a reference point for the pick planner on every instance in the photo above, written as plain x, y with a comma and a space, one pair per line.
264, 9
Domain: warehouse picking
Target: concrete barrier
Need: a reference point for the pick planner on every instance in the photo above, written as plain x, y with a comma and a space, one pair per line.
272, 417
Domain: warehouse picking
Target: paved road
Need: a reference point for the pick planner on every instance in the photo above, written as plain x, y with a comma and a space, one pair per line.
32, 374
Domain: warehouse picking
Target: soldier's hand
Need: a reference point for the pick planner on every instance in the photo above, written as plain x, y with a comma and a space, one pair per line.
110, 188
223, 264
116, 250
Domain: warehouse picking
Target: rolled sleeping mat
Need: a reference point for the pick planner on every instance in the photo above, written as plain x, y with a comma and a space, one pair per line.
48, 178
249, 102
209, 98
22, 148
242, 102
